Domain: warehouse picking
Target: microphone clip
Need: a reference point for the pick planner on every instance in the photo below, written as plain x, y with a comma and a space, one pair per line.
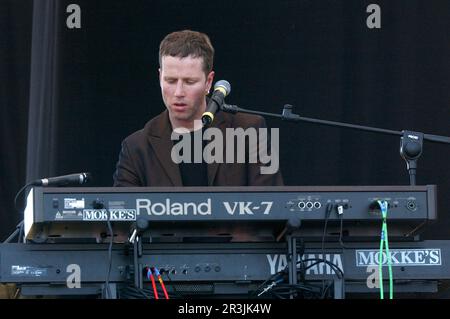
139, 228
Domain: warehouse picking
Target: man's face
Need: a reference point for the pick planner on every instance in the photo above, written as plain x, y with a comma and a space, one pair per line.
184, 86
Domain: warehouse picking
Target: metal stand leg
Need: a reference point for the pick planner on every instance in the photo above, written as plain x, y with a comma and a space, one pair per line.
339, 288
137, 254
112, 289
292, 259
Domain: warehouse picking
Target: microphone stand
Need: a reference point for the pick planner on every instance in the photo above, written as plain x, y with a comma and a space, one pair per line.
16, 232
136, 240
411, 143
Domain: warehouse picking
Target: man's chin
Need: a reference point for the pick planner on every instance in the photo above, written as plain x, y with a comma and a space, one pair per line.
182, 118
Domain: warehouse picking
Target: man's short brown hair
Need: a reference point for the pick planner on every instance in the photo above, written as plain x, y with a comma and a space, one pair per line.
188, 43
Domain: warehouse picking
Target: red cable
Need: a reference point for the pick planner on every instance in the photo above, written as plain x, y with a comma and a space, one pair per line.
163, 287
155, 292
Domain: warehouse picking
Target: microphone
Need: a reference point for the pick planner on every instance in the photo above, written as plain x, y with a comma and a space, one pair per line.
221, 89
65, 180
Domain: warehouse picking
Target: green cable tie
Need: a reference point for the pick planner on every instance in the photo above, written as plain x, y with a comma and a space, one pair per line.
385, 240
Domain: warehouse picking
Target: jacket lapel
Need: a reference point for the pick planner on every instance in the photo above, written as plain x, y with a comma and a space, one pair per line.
220, 123
159, 138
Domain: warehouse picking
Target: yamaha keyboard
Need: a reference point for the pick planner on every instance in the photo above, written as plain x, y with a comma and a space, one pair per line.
242, 214
227, 269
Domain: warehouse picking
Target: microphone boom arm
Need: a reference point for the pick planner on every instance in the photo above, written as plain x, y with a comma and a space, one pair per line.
411, 143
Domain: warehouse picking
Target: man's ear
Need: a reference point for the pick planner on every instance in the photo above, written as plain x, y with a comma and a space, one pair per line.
159, 76
209, 80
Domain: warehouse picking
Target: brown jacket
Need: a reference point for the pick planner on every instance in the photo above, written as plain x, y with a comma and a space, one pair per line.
145, 157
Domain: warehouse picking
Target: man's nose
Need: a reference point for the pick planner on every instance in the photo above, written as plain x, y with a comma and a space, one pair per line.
179, 90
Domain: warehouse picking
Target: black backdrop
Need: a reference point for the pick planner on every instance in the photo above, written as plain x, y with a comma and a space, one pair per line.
317, 55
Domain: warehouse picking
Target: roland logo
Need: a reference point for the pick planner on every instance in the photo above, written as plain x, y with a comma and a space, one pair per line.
414, 137
145, 206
